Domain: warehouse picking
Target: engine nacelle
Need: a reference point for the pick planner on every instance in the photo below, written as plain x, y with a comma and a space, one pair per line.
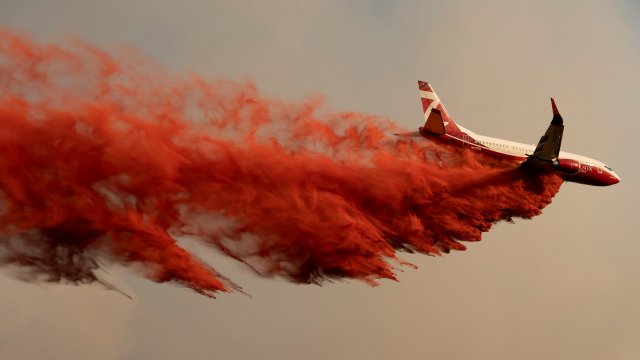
567, 166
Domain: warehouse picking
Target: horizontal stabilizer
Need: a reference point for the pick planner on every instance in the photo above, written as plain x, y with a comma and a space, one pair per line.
410, 134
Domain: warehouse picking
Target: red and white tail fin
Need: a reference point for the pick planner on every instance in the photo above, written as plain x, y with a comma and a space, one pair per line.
437, 119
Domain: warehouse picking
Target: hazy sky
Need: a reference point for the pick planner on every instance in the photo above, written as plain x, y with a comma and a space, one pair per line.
561, 286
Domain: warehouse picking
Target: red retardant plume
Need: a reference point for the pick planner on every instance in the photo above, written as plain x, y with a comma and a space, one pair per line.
106, 159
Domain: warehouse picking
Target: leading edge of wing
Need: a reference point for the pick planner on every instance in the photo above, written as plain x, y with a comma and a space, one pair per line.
548, 149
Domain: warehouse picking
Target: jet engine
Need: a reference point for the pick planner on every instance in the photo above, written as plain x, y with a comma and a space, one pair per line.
566, 166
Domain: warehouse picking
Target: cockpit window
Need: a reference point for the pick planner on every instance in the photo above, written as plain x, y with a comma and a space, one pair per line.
608, 168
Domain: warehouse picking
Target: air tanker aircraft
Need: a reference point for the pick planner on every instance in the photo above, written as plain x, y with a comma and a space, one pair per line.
547, 156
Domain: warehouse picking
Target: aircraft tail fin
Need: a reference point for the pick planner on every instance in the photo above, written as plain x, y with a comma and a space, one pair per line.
437, 119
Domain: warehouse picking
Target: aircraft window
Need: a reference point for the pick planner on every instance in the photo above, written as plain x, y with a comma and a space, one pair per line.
608, 168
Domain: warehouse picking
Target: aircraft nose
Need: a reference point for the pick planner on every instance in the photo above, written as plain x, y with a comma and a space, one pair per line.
614, 179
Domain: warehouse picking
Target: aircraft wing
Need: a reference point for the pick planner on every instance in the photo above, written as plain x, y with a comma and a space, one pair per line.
548, 149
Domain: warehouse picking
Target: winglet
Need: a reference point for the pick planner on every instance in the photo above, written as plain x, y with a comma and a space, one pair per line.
557, 118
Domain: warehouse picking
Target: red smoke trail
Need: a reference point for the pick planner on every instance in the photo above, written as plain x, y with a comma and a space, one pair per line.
104, 158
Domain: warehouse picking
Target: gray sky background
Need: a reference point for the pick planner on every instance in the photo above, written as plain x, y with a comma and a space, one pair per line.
562, 286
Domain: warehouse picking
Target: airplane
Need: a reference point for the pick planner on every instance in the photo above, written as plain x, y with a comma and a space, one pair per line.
546, 156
